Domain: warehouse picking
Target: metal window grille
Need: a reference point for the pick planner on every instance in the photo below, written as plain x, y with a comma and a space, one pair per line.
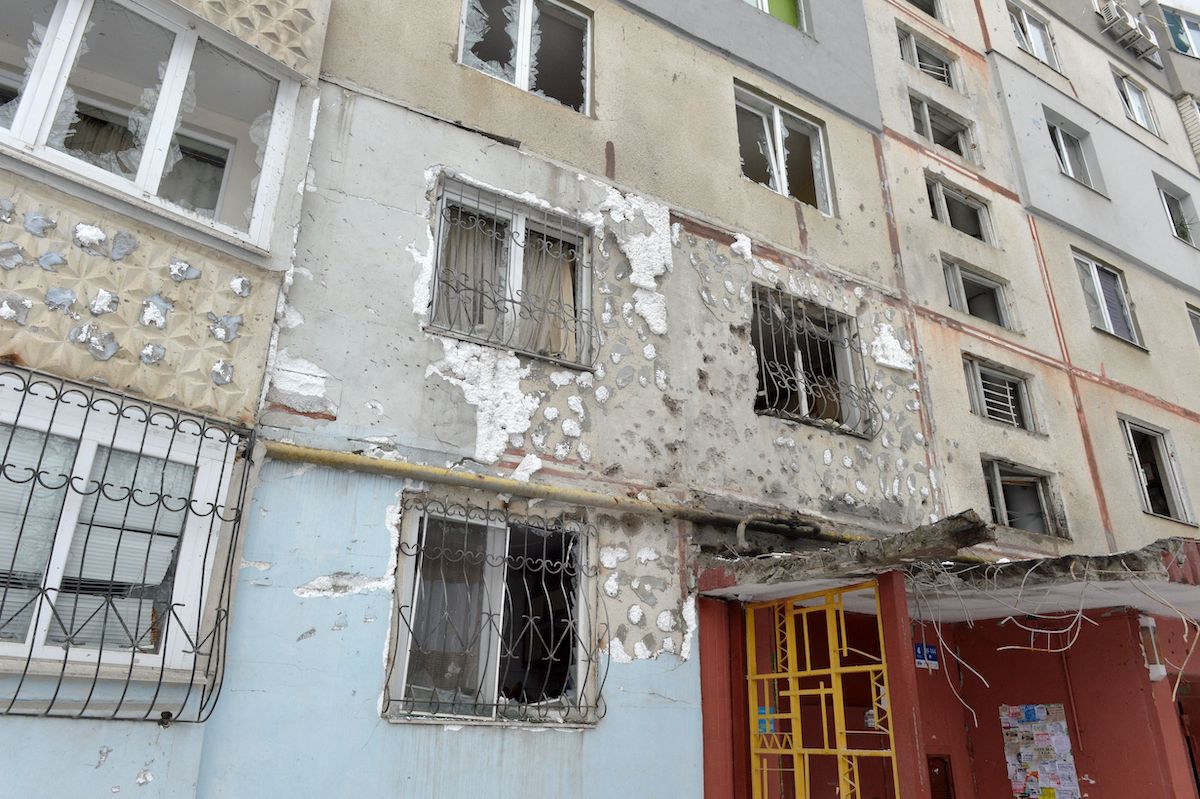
496, 617
998, 395
117, 521
810, 365
1017, 498
512, 276
917, 53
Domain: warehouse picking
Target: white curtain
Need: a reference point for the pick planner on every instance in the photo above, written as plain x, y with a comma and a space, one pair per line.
547, 317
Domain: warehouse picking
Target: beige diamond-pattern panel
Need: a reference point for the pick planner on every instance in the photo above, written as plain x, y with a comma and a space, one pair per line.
290, 31
183, 377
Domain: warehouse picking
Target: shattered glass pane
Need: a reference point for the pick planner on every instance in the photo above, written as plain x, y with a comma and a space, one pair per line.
558, 55
754, 144
802, 155
104, 114
217, 150
490, 37
21, 37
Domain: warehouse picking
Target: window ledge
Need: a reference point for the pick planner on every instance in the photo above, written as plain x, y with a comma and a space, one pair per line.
41, 667
574, 366
818, 423
1034, 432
1046, 64
1085, 185
1123, 340
467, 721
587, 114
1184, 522
1182, 240
788, 197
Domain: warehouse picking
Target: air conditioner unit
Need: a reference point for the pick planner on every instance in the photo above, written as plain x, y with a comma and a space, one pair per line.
1117, 21
1150, 43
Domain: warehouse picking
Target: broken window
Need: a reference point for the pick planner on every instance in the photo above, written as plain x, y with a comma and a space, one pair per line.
1136, 102
972, 293
512, 276
114, 519
1068, 147
494, 617
1180, 214
1018, 497
144, 104
783, 150
537, 45
1033, 35
998, 394
793, 12
941, 127
955, 208
926, 57
1153, 460
1107, 298
809, 364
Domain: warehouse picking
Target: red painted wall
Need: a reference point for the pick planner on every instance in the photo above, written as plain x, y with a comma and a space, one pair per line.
946, 721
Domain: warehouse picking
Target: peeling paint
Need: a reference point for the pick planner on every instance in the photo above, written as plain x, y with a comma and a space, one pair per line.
341, 584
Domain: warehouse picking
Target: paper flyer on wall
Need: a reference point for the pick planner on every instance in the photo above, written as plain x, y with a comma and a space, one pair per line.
1037, 748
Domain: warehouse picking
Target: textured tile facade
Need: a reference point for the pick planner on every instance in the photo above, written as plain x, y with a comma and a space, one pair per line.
91, 295
290, 31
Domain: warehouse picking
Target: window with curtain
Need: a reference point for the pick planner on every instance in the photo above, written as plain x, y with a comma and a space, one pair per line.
511, 276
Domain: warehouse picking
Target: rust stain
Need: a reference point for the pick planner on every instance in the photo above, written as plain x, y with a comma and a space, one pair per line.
950, 164
919, 19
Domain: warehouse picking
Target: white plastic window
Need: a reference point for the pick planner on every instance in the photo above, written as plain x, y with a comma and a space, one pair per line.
954, 208
1033, 35
1107, 300
923, 56
1018, 497
1136, 102
998, 394
142, 100
1072, 160
940, 127
782, 150
974, 294
1155, 466
1180, 214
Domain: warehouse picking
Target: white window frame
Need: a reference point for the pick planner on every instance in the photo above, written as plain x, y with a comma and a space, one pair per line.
1176, 494
992, 467
911, 46
958, 293
1182, 202
1125, 85
34, 118
1059, 136
1023, 20
772, 116
976, 371
940, 190
801, 11
939, 10
524, 48
966, 140
408, 583
1095, 267
211, 481
1191, 29
1194, 317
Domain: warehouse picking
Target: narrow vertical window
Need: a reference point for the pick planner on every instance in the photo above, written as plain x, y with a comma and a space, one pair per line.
1018, 497
975, 294
940, 127
1179, 214
1107, 299
1136, 102
1154, 465
1194, 316
1032, 34
1070, 153
783, 150
954, 208
998, 394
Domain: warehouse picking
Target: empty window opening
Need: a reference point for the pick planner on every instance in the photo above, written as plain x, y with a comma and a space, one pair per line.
792, 12
1018, 497
998, 394
494, 619
1180, 214
954, 208
512, 276
923, 55
975, 294
941, 127
809, 364
21, 38
1136, 102
784, 151
1068, 148
1153, 462
1033, 35
537, 45
930, 7
1107, 299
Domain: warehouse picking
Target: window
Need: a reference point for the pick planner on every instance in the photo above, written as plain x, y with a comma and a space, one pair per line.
809, 364
1107, 299
930, 7
494, 617
998, 394
1185, 32
539, 46
1072, 160
1018, 497
954, 208
922, 55
941, 127
1033, 35
1154, 465
792, 12
117, 519
1136, 102
148, 103
1180, 214
974, 294
783, 150
512, 276
1194, 315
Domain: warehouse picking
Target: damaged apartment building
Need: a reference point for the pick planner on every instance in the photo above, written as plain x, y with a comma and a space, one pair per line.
779, 399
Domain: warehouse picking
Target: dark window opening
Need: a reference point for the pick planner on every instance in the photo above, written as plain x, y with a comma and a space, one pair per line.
558, 66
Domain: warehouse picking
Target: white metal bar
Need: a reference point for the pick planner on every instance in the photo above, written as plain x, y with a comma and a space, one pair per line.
270, 178
166, 113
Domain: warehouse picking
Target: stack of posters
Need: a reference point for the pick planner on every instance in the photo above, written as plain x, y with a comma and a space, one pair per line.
1037, 747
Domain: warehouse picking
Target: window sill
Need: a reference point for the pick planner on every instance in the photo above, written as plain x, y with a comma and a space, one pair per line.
586, 113
1184, 522
1056, 70
790, 198
994, 326
1142, 127
1033, 432
37, 667
1123, 340
469, 721
1182, 240
483, 342
1035, 539
829, 427
1084, 184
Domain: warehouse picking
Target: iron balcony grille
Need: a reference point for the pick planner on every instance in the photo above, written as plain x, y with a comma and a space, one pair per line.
512, 276
117, 521
495, 617
810, 366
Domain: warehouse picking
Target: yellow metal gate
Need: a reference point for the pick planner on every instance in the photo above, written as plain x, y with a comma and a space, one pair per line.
820, 727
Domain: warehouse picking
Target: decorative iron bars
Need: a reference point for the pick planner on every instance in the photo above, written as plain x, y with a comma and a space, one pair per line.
117, 521
820, 723
495, 617
810, 366
512, 276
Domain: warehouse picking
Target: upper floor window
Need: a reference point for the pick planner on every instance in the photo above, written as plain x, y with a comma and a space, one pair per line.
783, 150
1107, 299
1033, 35
1181, 213
512, 276
998, 394
1019, 497
1194, 315
930, 7
1070, 151
810, 364
957, 209
1154, 463
926, 57
1136, 102
793, 12
941, 127
142, 99
975, 294
1185, 32
539, 46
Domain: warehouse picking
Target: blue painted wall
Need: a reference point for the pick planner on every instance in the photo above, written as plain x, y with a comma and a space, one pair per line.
298, 716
